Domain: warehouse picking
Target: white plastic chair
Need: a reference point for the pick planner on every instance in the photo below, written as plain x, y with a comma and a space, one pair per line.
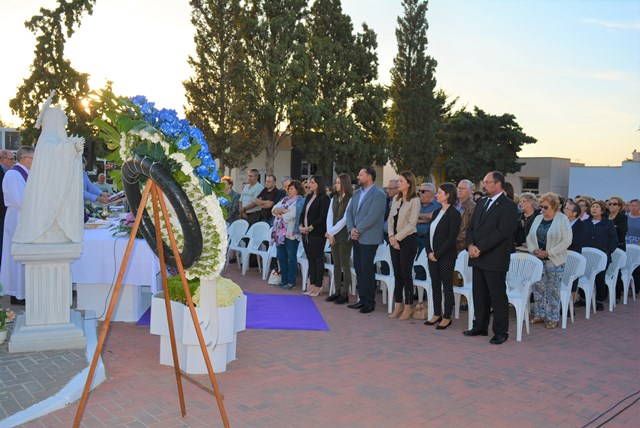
462, 267
524, 271
421, 261
304, 266
383, 254
596, 263
573, 269
258, 233
235, 234
618, 261
633, 262
328, 266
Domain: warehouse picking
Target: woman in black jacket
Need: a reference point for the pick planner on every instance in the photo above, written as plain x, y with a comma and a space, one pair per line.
600, 233
440, 246
617, 215
313, 227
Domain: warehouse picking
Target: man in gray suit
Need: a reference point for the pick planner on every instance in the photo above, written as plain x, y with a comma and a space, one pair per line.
365, 220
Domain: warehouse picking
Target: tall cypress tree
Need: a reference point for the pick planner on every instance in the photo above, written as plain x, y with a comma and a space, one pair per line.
50, 70
219, 93
339, 116
274, 34
415, 112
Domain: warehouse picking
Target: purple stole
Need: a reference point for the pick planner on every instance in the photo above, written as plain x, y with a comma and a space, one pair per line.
21, 171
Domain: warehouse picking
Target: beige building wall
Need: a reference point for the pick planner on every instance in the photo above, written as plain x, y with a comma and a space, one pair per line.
550, 174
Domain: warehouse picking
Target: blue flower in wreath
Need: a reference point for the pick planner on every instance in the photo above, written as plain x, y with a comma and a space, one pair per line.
223, 201
202, 171
183, 143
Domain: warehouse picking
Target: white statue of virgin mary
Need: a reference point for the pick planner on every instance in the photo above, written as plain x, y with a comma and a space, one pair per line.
52, 209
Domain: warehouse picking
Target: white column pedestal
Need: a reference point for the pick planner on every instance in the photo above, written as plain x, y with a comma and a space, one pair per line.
48, 323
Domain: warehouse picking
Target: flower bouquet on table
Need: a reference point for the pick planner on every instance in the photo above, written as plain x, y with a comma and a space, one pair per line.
124, 227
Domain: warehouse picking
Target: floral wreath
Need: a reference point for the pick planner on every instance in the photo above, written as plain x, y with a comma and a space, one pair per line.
134, 127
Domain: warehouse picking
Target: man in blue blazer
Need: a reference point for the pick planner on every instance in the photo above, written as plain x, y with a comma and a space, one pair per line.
489, 240
365, 221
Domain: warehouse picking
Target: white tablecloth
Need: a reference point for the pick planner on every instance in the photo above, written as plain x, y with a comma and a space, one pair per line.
102, 255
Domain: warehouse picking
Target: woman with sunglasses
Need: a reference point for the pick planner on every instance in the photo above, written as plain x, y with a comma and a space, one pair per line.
549, 239
619, 219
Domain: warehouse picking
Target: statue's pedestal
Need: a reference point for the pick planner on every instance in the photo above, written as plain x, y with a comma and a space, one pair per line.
48, 322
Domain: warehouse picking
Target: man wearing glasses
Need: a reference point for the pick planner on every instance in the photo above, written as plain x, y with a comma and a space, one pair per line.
7, 159
13, 185
489, 240
428, 205
392, 192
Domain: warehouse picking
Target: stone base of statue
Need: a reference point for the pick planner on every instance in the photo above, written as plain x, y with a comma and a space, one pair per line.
48, 322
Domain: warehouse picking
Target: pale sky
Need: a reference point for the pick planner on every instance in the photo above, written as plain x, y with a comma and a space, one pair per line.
569, 70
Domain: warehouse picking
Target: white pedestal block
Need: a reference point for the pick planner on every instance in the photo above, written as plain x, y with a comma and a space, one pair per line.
47, 323
219, 328
131, 305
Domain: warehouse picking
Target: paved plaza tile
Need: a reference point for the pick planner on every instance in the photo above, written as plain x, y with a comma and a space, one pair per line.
371, 371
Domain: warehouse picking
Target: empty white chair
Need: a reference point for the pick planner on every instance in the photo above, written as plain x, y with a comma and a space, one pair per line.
596, 263
633, 262
462, 267
421, 261
235, 234
304, 266
524, 271
618, 261
328, 266
573, 269
389, 280
258, 233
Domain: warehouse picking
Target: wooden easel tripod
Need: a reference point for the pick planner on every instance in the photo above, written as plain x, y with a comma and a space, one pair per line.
156, 193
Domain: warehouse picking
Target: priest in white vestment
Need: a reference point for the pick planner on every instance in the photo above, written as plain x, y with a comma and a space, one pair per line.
13, 186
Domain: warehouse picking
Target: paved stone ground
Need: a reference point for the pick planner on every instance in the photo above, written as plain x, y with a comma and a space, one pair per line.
370, 371
28, 378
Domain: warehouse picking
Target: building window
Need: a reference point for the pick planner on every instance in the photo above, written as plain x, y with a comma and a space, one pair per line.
531, 185
307, 169
12, 140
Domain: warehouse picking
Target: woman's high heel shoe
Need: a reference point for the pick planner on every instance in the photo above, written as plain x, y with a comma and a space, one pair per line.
442, 327
436, 321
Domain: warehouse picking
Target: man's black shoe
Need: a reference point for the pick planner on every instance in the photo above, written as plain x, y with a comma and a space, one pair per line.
579, 304
342, 300
464, 307
474, 332
332, 298
367, 309
599, 307
15, 301
356, 305
499, 339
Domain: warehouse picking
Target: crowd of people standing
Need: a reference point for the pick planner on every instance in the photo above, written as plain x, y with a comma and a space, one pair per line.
442, 221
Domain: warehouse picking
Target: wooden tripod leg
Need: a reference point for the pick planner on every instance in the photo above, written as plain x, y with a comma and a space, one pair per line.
167, 301
194, 316
112, 304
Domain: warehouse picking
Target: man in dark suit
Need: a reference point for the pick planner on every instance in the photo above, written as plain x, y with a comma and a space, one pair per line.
489, 240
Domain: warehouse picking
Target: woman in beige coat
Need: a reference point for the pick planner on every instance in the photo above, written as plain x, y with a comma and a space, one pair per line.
549, 239
403, 242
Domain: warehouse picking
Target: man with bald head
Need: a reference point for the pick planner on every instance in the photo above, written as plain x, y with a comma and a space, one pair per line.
465, 207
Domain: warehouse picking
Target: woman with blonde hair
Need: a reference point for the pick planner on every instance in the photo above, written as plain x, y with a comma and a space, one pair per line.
619, 219
549, 240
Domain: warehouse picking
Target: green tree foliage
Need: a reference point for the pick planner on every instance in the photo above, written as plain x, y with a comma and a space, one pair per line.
416, 110
476, 143
219, 93
339, 114
50, 70
274, 36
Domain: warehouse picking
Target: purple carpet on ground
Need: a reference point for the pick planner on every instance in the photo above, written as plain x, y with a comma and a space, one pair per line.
145, 319
283, 312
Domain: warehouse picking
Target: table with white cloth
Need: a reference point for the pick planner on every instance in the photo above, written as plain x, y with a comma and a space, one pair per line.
95, 272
